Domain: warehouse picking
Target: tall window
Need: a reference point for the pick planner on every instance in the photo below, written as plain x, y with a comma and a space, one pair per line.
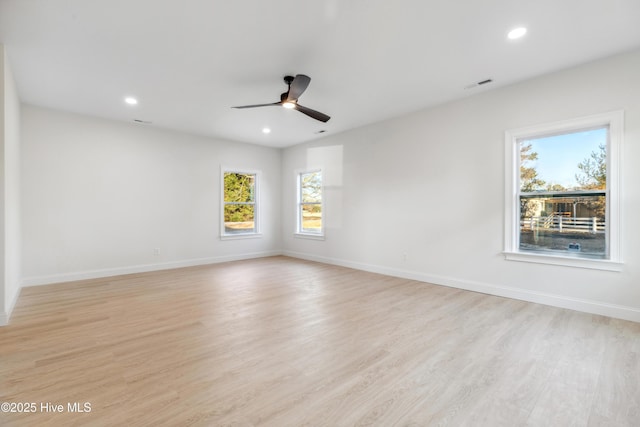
240, 209
564, 190
310, 203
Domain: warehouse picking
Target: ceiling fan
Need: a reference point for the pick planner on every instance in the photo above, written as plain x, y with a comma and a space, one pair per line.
297, 85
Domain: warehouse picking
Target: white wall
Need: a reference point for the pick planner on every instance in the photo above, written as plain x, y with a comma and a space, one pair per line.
431, 185
10, 192
99, 196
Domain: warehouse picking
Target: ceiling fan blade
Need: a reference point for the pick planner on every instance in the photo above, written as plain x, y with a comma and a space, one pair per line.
258, 105
298, 85
312, 113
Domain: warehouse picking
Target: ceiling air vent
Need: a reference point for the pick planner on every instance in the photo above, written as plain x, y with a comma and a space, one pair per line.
480, 83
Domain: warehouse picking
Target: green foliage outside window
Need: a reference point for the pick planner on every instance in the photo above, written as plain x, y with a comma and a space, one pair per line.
311, 202
239, 201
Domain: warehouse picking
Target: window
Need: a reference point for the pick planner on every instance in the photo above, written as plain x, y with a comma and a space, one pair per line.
240, 207
562, 204
310, 203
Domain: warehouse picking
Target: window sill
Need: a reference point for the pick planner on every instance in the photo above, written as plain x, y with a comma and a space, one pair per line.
595, 264
309, 236
240, 236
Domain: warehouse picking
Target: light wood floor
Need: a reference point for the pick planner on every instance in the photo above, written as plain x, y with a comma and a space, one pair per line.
283, 342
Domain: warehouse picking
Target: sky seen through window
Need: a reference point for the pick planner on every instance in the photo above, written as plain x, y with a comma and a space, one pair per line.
559, 155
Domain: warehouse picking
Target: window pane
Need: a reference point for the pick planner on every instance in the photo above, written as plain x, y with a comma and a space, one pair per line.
311, 216
570, 161
311, 187
239, 219
570, 223
563, 198
239, 187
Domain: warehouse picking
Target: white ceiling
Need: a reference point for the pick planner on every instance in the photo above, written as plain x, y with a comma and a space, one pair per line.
189, 61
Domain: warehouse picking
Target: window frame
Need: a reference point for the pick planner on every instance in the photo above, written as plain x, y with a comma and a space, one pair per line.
299, 231
256, 204
615, 121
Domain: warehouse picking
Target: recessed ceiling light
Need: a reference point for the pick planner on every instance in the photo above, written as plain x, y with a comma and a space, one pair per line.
516, 33
131, 100
289, 105
266, 130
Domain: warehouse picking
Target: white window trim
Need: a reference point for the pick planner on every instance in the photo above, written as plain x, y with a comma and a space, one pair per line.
298, 231
257, 233
615, 121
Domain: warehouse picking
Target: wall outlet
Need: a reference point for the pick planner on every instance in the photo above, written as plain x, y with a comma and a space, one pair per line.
404, 257
156, 251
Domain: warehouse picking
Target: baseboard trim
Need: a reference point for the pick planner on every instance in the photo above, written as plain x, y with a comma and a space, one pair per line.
586, 306
143, 268
5, 316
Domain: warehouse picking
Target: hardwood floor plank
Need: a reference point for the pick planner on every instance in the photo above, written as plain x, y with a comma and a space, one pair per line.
284, 342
